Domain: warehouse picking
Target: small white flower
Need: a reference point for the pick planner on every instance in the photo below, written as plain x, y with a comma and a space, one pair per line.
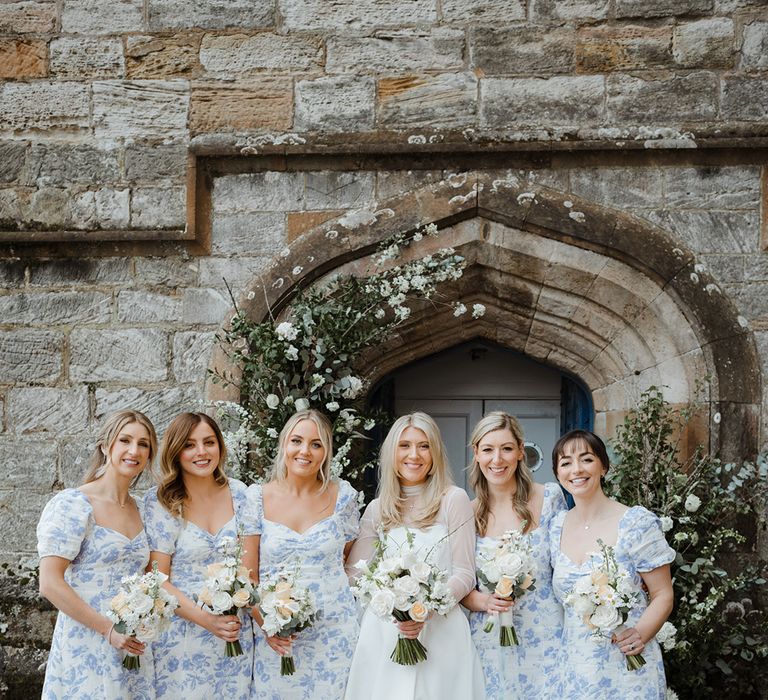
418, 236
478, 310
288, 400
302, 404
273, 401
402, 312
380, 313
332, 406
692, 503
287, 331
272, 432
251, 295
666, 636
459, 310
666, 523
370, 424
292, 353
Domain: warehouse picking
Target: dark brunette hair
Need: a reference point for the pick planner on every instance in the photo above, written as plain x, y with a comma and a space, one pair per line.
595, 444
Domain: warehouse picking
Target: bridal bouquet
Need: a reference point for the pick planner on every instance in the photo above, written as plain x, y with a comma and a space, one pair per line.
507, 569
604, 598
407, 588
286, 609
142, 609
228, 587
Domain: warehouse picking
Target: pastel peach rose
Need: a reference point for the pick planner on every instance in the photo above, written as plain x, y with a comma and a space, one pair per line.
599, 578
241, 598
214, 569
205, 596
505, 586
527, 582
418, 612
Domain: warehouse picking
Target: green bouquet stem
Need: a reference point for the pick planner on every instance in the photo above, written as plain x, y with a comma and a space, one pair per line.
287, 667
131, 662
234, 648
407, 652
635, 662
508, 636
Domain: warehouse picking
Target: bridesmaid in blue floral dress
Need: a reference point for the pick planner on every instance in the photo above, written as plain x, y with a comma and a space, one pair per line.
88, 539
508, 498
309, 519
188, 517
591, 668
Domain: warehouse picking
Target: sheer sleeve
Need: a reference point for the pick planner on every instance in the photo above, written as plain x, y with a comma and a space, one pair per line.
366, 540
460, 519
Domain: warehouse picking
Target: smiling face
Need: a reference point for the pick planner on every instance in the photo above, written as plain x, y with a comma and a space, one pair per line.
413, 457
129, 453
579, 469
498, 455
201, 453
304, 451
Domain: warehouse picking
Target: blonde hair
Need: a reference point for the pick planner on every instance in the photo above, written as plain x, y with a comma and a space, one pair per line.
438, 480
498, 420
172, 492
109, 432
325, 433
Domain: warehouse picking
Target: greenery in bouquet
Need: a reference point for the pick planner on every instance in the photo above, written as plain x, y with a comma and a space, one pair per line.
716, 640
307, 357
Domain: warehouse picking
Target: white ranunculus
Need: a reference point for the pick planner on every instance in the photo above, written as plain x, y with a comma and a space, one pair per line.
273, 401
692, 503
302, 404
382, 603
606, 618
286, 330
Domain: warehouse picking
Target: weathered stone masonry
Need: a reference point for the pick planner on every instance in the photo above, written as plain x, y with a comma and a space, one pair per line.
151, 149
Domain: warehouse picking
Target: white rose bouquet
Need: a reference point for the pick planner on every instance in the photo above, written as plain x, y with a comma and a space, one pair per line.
405, 588
603, 598
228, 587
507, 569
142, 608
286, 609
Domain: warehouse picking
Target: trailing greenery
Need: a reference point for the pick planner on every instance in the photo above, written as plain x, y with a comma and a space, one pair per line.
717, 638
308, 357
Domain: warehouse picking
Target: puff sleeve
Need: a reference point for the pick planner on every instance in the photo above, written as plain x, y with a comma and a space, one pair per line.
162, 528
349, 513
554, 502
647, 545
63, 525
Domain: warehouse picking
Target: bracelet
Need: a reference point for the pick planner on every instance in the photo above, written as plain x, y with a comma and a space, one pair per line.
109, 635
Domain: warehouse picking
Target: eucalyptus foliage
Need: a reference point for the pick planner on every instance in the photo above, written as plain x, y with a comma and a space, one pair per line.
717, 638
309, 356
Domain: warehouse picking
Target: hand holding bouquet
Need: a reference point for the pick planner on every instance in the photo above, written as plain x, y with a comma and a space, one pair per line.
228, 587
142, 609
286, 609
604, 598
506, 569
404, 588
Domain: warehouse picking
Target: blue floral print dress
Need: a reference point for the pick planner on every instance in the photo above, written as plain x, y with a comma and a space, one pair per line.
82, 664
595, 668
190, 662
526, 671
322, 653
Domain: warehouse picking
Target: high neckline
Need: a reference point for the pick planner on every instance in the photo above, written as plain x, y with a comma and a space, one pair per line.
410, 491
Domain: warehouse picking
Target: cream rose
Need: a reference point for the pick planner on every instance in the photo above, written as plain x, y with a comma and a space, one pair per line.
505, 586
418, 612
407, 584
527, 582
382, 603
606, 618
241, 598
221, 602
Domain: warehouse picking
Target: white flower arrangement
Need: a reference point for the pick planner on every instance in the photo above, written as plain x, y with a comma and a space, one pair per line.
142, 608
228, 587
667, 636
507, 569
403, 587
603, 599
286, 609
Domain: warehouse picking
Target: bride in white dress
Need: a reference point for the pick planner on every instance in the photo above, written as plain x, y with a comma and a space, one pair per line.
416, 495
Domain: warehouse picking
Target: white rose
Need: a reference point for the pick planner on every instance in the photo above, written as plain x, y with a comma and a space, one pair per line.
332, 406
273, 401
583, 586
511, 564
382, 603
146, 633
666, 523
666, 636
583, 606
390, 565
491, 571
302, 404
606, 618
221, 602
692, 503
420, 571
286, 330
402, 601
407, 585
140, 603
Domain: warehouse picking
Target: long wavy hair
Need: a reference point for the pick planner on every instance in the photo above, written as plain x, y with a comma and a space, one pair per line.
325, 433
498, 420
438, 480
172, 492
109, 432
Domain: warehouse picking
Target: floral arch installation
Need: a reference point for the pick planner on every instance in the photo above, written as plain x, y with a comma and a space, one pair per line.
588, 290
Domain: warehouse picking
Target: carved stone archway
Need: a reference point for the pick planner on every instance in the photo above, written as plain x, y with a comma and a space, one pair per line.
602, 295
